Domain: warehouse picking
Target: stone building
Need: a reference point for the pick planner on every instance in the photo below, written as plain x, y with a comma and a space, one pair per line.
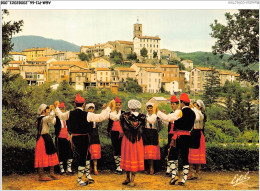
151, 43
34, 53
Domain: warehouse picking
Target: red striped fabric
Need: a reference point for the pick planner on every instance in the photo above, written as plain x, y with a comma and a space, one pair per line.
132, 155
152, 152
95, 151
41, 158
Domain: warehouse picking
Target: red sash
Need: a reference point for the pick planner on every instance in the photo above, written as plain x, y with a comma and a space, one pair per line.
177, 133
171, 130
117, 127
64, 132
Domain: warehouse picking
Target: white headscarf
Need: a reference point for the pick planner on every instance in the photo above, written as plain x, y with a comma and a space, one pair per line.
89, 105
149, 103
134, 104
41, 108
200, 104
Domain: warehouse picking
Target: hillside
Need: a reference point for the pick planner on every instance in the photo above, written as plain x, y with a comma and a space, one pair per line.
206, 59
24, 42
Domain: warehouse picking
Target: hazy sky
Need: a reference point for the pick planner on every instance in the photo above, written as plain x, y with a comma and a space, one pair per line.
179, 30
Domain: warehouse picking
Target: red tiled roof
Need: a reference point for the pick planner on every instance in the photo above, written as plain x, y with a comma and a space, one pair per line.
16, 53
33, 49
153, 70
82, 64
125, 42
81, 71
15, 62
59, 68
144, 65
125, 69
149, 37
13, 68
204, 68
43, 59
168, 66
102, 69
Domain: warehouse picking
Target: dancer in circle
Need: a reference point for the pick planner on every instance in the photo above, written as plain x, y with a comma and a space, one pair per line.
151, 138
62, 141
45, 151
115, 131
95, 147
132, 150
197, 151
80, 126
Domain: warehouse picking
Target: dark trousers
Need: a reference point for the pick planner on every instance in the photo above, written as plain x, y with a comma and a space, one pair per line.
182, 148
80, 146
64, 149
116, 142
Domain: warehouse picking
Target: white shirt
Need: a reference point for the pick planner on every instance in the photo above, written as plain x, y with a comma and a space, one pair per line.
170, 117
115, 116
151, 119
135, 113
198, 123
47, 119
94, 123
91, 117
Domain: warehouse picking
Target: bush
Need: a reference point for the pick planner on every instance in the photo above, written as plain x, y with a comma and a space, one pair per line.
251, 136
232, 157
216, 112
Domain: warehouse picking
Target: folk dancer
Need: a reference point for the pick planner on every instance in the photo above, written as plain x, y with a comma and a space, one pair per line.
132, 150
62, 142
197, 151
116, 133
95, 147
151, 138
80, 126
169, 119
45, 151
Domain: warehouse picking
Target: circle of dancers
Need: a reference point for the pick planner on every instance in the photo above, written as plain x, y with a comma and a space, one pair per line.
134, 138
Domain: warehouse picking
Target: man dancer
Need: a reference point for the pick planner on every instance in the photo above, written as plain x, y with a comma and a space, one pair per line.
170, 118
116, 133
62, 141
181, 138
80, 126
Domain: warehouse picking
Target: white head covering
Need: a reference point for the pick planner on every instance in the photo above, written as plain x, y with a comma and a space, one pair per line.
200, 104
89, 105
149, 103
134, 104
41, 108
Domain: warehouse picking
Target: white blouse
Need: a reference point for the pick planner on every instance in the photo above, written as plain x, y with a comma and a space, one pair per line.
115, 116
170, 117
198, 123
47, 119
151, 119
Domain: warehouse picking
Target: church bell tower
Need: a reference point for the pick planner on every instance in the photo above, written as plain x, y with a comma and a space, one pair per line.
137, 29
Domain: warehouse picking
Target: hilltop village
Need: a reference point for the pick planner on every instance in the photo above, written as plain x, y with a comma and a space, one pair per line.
142, 59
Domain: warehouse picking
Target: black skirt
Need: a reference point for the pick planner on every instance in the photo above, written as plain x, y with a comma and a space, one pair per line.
195, 138
150, 136
49, 146
94, 137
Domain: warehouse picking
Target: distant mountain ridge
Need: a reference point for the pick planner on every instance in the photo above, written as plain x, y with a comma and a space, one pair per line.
25, 42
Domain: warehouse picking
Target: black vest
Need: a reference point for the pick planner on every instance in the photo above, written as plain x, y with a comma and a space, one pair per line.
186, 122
78, 123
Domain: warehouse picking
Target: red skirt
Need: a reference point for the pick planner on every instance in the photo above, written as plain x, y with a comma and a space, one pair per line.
132, 155
152, 152
95, 151
198, 156
41, 158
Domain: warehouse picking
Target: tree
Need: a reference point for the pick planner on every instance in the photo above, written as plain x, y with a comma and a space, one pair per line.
240, 38
8, 30
116, 57
154, 54
211, 87
83, 57
132, 56
143, 52
133, 86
